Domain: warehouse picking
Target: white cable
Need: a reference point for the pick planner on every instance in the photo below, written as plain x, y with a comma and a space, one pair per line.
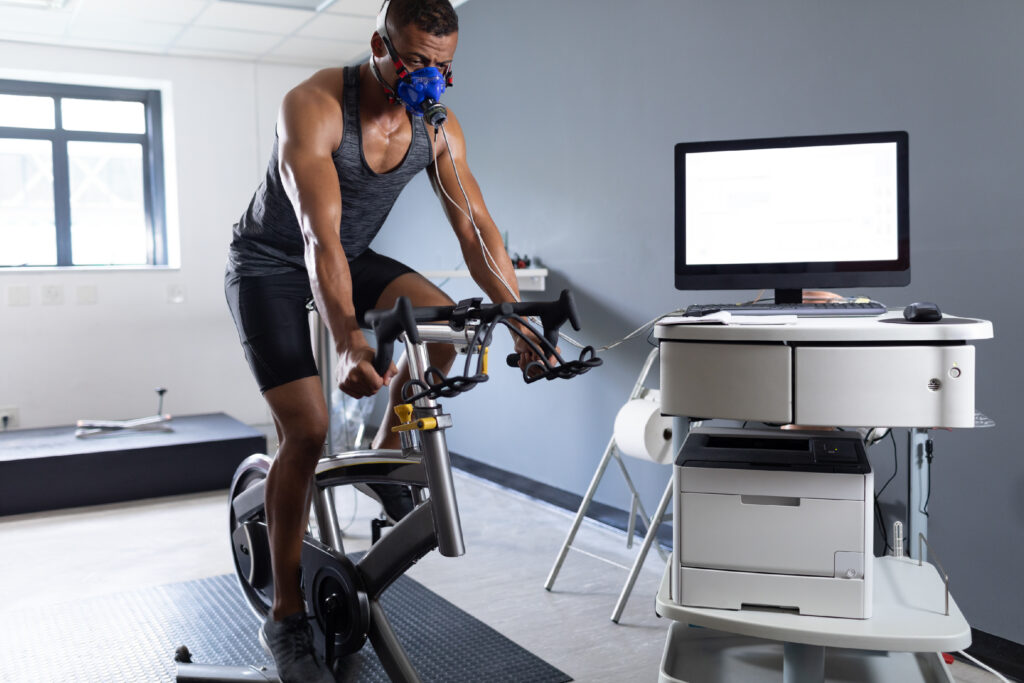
986, 667
489, 258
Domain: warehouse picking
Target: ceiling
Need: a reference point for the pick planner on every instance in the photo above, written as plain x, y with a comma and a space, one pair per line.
338, 33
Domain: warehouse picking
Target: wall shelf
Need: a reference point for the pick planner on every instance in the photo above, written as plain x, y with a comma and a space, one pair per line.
530, 279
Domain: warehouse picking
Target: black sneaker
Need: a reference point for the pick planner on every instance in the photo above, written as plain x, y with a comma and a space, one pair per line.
290, 643
396, 499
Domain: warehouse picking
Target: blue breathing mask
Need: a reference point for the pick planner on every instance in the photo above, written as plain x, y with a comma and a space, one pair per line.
420, 89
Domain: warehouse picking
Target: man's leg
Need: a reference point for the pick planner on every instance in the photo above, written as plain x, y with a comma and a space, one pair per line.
421, 292
300, 413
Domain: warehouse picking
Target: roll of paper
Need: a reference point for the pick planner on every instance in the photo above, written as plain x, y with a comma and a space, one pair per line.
642, 432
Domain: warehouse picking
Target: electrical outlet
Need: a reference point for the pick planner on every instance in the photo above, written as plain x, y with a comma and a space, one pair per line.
52, 295
8, 418
87, 295
175, 294
19, 295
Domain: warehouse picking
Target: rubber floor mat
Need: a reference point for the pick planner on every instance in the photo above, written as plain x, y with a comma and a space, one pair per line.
131, 637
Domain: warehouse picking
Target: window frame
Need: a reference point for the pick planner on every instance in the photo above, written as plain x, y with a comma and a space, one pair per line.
154, 191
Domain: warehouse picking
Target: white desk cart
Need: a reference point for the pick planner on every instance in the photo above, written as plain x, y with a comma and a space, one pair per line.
847, 372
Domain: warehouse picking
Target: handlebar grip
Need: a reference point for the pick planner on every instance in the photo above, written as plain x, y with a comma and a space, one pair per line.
554, 315
512, 360
387, 325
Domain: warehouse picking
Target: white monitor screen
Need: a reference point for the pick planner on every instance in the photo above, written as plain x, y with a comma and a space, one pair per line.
830, 203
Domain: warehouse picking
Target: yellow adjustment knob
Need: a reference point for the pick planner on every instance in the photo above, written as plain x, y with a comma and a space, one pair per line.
404, 412
420, 425
486, 349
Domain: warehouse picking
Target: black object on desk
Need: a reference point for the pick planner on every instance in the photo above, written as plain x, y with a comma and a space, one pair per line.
49, 469
922, 312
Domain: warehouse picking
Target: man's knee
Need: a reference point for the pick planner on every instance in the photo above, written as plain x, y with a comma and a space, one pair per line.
441, 355
305, 437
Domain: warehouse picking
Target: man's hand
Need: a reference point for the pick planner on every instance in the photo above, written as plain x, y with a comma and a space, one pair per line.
355, 374
526, 354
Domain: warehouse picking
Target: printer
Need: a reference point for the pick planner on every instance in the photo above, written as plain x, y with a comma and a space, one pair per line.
774, 519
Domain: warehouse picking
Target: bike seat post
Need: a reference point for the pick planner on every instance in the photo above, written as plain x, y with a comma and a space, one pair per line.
408, 442
437, 465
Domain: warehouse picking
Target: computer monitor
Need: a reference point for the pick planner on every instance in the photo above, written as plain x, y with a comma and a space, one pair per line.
793, 213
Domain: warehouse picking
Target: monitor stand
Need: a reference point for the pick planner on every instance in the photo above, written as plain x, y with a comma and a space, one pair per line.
789, 296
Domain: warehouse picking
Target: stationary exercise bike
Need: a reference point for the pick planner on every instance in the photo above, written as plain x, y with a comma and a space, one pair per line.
342, 595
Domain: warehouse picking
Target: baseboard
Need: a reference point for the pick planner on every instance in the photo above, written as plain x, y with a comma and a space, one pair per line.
605, 514
1005, 656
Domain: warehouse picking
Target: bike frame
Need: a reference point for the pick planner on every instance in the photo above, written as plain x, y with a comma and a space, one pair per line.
434, 523
341, 596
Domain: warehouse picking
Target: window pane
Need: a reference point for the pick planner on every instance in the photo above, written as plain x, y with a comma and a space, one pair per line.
106, 116
22, 111
28, 236
108, 212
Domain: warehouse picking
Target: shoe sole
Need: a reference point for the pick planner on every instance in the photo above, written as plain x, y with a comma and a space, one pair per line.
272, 669
263, 641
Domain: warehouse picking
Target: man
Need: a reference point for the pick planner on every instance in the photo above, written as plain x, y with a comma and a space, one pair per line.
344, 150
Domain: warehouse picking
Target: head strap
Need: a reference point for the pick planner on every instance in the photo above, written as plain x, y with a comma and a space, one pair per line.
392, 95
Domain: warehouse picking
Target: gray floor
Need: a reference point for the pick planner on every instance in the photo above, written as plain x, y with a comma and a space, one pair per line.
511, 541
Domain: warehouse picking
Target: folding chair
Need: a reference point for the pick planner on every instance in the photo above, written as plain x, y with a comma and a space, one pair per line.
612, 452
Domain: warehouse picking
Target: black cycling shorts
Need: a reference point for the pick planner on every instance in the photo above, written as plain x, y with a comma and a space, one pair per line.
271, 314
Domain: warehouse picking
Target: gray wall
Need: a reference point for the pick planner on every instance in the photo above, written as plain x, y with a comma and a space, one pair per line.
571, 110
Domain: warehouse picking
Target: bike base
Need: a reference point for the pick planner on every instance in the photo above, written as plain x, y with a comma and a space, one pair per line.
191, 672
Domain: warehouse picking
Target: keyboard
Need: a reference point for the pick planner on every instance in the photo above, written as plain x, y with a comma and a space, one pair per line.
820, 310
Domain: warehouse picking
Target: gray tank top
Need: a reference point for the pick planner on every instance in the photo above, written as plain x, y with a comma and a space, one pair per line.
267, 239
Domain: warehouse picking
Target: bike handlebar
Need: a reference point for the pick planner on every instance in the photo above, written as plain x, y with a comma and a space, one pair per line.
387, 324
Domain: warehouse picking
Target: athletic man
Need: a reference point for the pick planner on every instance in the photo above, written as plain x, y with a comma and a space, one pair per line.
345, 148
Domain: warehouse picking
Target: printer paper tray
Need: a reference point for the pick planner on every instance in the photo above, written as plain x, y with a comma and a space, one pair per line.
810, 595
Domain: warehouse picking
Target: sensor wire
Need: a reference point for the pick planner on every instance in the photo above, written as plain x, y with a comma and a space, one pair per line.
489, 258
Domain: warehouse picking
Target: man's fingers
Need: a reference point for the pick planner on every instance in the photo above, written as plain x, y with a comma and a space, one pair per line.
391, 372
364, 381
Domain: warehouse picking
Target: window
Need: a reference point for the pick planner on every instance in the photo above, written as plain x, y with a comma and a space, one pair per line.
81, 176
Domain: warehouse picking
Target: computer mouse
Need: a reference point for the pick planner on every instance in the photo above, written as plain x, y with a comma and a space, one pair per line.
922, 312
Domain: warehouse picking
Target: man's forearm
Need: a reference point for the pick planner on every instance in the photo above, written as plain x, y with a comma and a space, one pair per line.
480, 268
331, 283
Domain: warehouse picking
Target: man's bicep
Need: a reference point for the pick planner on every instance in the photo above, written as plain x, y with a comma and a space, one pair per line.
308, 129
307, 169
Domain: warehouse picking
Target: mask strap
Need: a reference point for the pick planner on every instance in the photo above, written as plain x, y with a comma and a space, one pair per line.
382, 31
392, 95
400, 69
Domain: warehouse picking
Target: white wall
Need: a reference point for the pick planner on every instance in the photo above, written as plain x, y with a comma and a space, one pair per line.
59, 363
